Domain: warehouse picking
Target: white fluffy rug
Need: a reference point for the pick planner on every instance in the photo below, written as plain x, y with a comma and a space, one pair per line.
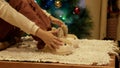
89, 52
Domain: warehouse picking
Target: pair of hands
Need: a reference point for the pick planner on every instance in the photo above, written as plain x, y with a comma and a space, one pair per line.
49, 37
55, 42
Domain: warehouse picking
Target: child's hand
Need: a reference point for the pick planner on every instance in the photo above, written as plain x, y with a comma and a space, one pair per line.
65, 29
61, 24
56, 21
50, 40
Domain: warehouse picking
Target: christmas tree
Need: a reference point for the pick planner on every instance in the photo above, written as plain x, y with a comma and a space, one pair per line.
72, 12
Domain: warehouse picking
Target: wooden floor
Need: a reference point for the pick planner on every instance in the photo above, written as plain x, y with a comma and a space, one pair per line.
8, 64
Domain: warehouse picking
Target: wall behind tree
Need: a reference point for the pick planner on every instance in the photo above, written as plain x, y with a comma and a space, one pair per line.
98, 12
94, 8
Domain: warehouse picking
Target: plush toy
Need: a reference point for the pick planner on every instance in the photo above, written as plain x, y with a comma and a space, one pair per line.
70, 42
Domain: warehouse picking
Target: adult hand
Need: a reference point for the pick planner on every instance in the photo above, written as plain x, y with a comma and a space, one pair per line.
51, 41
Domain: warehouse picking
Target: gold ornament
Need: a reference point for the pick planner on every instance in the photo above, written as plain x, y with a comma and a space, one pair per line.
58, 3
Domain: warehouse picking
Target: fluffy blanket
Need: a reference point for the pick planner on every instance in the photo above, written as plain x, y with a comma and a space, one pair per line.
89, 52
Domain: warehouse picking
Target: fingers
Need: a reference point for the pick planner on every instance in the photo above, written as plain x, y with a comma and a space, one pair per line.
54, 31
58, 22
55, 43
52, 41
53, 46
65, 29
58, 41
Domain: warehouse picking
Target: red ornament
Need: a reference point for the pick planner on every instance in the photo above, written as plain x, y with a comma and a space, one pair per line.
76, 10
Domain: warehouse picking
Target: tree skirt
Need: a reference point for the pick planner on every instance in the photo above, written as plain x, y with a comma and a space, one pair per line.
89, 52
